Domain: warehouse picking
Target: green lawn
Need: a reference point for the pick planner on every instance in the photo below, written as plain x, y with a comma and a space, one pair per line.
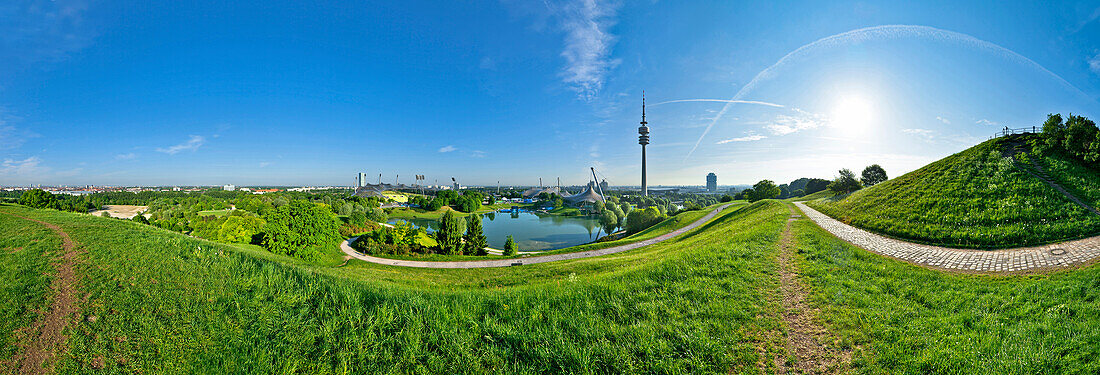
170, 303
909, 320
26, 249
1079, 180
705, 302
218, 213
975, 199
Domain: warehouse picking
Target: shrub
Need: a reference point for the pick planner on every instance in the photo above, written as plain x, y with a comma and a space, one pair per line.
640, 219
844, 183
475, 237
300, 229
449, 234
728, 198
240, 229
510, 247
38, 198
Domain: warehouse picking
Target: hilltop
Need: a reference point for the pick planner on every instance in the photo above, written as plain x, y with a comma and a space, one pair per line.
1000, 193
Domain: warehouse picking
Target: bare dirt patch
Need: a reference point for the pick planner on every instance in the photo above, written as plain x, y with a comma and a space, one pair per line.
46, 334
806, 348
121, 211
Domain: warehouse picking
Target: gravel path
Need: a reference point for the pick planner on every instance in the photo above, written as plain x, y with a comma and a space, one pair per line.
1021, 259
529, 260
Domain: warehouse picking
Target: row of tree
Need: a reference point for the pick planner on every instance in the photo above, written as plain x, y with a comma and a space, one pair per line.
1075, 136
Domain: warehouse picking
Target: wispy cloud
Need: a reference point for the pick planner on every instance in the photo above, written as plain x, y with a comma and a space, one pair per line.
941, 119
588, 45
264, 164
127, 156
34, 31
747, 138
477, 153
447, 149
986, 122
926, 134
719, 101
785, 124
1094, 63
28, 166
192, 144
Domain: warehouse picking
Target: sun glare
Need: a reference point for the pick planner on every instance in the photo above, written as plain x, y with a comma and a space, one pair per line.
853, 115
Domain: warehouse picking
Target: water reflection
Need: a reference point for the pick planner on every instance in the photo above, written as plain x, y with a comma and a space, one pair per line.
530, 230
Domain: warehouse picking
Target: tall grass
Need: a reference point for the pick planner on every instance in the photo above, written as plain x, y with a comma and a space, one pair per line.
903, 319
976, 198
26, 252
169, 303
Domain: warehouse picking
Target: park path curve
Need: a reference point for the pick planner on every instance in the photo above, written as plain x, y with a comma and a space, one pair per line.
1023, 259
346, 247
48, 330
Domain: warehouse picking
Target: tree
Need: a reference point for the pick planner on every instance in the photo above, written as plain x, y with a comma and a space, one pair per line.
300, 229
639, 220
844, 183
475, 237
240, 229
726, 198
816, 185
449, 234
357, 219
139, 218
510, 247
784, 191
765, 189
608, 221
38, 198
873, 174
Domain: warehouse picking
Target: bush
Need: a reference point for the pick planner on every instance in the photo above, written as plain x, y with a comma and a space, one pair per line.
475, 238
240, 229
510, 247
38, 198
844, 183
640, 219
300, 229
449, 234
352, 230
726, 198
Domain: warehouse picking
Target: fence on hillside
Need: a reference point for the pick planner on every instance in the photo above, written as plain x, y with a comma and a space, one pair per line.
1009, 131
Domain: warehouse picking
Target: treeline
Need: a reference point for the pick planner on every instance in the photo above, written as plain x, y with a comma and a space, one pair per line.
469, 202
1074, 136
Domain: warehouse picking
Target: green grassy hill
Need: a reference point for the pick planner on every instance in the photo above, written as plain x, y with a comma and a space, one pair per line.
978, 198
706, 302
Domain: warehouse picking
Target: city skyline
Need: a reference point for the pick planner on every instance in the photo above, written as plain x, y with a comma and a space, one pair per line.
117, 93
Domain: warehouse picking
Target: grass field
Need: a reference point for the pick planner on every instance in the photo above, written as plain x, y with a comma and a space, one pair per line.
218, 213
704, 302
909, 320
976, 198
25, 252
169, 303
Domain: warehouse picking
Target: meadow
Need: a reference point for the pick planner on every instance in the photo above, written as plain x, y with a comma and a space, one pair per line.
977, 198
903, 319
26, 249
169, 303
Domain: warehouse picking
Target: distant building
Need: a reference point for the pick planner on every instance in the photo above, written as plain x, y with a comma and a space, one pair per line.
712, 182
361, 181
604, 186
229, 188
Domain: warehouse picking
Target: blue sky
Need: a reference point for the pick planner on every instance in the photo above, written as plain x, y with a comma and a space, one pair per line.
251, 93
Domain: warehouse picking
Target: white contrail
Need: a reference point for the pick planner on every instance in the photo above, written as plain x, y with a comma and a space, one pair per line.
876, 33
721, 101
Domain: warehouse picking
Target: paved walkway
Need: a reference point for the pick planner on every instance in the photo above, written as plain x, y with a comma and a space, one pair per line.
529, 260
992, 261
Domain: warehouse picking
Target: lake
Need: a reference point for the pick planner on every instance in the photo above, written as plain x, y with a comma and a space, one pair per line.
531, 231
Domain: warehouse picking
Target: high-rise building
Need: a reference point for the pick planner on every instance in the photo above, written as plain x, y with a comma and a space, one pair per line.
712, 182
362, 180
643, 139
603, 186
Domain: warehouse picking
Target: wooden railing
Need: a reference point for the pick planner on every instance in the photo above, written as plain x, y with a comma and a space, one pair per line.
1009, 131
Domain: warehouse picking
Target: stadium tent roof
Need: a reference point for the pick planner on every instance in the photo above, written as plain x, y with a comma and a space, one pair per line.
535, 191
588, 195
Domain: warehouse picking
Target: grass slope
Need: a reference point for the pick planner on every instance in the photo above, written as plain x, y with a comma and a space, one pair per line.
167, 303
26, 249
976, 198
904, 319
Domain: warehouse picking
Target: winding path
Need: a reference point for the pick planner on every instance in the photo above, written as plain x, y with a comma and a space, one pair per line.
48, 330
346, 247
1023, 259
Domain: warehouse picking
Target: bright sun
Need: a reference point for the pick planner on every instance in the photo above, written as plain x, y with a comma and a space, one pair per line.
853, 115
